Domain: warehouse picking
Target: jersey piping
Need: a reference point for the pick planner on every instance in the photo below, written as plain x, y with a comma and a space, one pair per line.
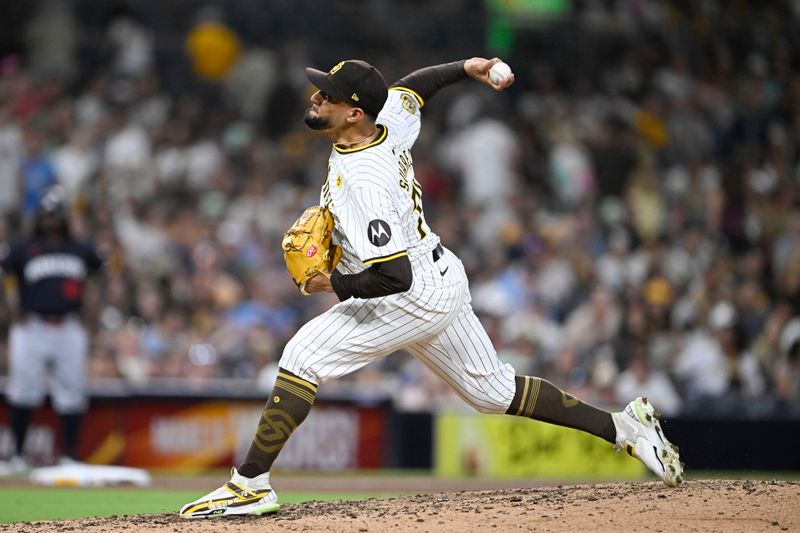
385, 258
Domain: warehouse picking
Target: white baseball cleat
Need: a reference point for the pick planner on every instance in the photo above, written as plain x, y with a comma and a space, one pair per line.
239, 496
640, 434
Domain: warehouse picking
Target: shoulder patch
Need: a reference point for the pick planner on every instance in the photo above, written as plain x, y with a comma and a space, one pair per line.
409, 103
378, 232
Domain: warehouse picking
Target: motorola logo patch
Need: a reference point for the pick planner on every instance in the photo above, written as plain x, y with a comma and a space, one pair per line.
378, 232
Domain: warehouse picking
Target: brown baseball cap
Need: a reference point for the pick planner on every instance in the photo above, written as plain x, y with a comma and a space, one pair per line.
356, 82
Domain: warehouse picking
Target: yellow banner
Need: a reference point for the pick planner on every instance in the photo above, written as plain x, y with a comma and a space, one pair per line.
505, 446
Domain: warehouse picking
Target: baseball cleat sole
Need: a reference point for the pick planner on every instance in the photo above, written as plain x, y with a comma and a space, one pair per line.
221, 512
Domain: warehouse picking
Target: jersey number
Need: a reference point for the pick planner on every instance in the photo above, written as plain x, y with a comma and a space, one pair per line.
416, 198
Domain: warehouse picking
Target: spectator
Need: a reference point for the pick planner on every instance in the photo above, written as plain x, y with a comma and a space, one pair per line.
640, 379
76, 164
127, 158
132, 42
11, 146
594, 323
51, 37
716, 365
482, 146
787, 369
38, 173
250, 82
212, 46
611, 267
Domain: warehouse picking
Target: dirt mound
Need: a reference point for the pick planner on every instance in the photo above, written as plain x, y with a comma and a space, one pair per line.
696, 506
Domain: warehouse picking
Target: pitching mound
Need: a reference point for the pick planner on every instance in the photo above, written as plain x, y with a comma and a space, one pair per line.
695, 506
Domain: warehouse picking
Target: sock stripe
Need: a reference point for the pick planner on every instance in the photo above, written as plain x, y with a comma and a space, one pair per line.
534, 396
522, 401
294, 389
300, 381
526, 399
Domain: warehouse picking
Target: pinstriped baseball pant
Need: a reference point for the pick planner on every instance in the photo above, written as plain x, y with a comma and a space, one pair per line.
433, 321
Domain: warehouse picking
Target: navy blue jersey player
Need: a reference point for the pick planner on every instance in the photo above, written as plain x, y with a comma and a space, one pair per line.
51, 269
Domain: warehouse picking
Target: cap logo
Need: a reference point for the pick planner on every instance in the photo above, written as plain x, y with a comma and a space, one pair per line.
336, 68
354, 97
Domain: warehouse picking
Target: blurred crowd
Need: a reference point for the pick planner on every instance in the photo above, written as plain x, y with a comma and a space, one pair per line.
628, 213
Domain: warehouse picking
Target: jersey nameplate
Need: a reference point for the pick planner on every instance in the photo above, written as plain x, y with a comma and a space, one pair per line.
55, 266
412, 186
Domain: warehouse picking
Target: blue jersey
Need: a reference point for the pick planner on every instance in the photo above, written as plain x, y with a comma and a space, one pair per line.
38, 175
51, 277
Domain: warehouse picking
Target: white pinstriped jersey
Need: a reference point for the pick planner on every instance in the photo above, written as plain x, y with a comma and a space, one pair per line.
371, 191
377, 209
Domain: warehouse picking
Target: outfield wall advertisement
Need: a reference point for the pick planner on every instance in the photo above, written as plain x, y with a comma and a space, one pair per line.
470, 444
197, 434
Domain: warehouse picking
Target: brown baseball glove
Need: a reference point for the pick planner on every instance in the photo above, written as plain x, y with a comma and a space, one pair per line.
307, 248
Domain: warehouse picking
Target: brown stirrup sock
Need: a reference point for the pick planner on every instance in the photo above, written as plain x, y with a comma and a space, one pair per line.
539, 399
287, 407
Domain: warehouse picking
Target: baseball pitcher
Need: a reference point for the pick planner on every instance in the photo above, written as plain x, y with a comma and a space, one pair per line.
399, 288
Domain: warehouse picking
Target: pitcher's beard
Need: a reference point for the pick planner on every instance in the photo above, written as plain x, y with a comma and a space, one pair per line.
316, 123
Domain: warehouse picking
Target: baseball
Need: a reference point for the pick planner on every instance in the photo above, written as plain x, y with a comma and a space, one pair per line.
499, 73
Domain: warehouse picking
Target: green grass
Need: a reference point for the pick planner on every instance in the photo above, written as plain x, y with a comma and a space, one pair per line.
25, 504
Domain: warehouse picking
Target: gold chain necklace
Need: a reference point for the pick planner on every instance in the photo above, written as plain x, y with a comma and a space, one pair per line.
356, 143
